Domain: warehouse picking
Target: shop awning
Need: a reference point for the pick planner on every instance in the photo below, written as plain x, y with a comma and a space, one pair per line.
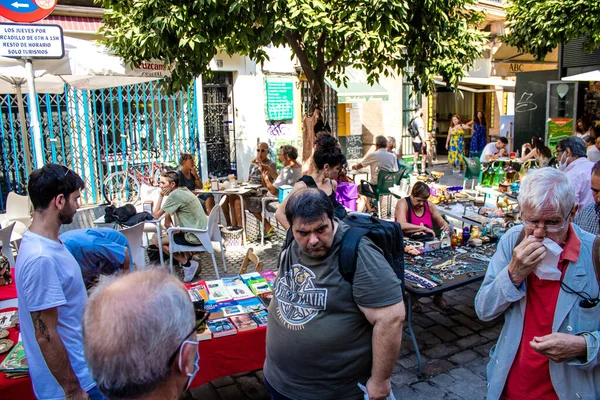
480, 82
584, 77
358, 90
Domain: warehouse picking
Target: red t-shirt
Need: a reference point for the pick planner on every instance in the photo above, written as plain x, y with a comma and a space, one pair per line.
529, 376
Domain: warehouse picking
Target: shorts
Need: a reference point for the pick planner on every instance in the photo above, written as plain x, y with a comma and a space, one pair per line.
179, 238
418, 147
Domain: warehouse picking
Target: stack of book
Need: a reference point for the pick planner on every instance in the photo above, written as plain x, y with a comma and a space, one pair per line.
236, 304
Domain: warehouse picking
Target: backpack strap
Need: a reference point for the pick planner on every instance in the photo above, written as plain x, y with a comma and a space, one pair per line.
596, 257
410, 210
349, 252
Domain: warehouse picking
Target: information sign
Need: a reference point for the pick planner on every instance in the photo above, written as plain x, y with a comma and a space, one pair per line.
31, 41
26, 10
279, 99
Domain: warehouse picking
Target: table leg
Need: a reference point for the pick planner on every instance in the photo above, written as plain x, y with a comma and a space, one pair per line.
412, 337
159, 242
243, 221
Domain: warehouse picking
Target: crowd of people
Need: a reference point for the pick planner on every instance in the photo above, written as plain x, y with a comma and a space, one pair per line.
345, 332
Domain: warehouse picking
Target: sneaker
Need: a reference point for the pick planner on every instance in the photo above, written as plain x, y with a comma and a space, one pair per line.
190, 270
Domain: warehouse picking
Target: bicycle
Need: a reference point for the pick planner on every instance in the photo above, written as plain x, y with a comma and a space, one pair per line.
124, 186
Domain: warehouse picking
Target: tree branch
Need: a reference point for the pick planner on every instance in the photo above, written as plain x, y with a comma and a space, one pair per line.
314, 79
321, 50
336, 56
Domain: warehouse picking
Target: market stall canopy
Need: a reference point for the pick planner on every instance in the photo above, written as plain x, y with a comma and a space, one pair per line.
358, 90
592, 76
86, 65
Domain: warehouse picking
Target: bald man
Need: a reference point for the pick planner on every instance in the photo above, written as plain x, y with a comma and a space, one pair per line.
139, 336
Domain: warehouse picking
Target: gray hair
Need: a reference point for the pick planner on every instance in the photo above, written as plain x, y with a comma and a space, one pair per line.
576, 144
391, 140
132, 325
380, 141
546, 187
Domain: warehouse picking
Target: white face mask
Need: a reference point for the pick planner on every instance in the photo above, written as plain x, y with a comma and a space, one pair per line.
196, 362
562, 165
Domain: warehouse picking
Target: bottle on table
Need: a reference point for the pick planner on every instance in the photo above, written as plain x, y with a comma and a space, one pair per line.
499, 175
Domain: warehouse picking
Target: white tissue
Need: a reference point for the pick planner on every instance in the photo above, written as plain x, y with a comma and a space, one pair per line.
548, 268
366, 396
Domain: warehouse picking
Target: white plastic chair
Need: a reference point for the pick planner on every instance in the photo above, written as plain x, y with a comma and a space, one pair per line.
18, 209
207, 236
152, 193
135, 238
266, 214
5, 234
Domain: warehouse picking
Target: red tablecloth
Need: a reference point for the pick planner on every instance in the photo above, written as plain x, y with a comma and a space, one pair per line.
219, 357
11, 389
8, 292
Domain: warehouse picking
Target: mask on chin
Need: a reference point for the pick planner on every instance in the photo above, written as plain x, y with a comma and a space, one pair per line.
562, 165
196, 364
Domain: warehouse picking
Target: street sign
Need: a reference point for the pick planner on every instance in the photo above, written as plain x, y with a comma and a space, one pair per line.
26, 10
34, 41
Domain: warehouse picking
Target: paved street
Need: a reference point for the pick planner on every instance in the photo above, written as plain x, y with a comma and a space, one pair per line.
454, 345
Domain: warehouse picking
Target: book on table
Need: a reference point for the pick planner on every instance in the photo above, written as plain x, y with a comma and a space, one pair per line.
235, 309
269, 276
15, 361
260, 317
217, 291
204, 333
259, 286
237, 288
9, 319
251, 305
243, 322
221, 327
265, 299
250, 276
198, 290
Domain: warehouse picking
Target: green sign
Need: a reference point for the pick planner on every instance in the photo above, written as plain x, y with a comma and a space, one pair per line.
559, 128
280, 100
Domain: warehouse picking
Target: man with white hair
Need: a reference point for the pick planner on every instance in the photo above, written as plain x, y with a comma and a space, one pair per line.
572, 160
139, 336
378, 160
542, 280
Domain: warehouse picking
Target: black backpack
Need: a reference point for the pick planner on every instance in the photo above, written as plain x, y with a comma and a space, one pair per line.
412, 129
384, 234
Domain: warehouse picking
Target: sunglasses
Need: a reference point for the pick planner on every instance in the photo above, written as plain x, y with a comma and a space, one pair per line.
203, 317
261, 150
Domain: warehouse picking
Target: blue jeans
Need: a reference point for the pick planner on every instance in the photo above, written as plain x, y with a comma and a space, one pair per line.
95, 394
275, 395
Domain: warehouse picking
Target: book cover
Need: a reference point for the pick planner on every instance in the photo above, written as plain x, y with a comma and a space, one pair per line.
15, 361
259, 286
249, 276
200, 288
243, 322
251, 305
228, 311
265, 299
214, 308
260, 317
221, 327
237, 288
217, 291
270, 276
204, 334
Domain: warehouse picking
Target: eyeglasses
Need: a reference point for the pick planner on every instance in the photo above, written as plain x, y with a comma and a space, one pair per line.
261, 150
199, 322
552, 228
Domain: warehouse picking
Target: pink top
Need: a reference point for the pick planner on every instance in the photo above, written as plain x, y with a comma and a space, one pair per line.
413, 218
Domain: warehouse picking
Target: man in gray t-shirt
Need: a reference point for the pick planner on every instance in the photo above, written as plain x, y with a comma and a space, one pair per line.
326, 335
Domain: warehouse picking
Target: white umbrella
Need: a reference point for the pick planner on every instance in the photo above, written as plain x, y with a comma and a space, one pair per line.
584, 77
86, 66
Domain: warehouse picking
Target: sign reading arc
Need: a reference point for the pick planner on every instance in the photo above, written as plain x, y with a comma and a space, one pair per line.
26, 10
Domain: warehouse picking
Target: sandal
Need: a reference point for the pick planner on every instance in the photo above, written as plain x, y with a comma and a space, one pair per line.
441, 303
416, 306
269, 233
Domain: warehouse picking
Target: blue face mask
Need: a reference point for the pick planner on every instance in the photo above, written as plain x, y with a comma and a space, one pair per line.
196, 362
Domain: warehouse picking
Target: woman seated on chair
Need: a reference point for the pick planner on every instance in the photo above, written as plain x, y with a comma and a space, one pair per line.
189, 212
188, 177
418, 217
540, 152
288, 175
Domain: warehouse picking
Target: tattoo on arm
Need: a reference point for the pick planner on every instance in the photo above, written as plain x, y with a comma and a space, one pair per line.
39, 325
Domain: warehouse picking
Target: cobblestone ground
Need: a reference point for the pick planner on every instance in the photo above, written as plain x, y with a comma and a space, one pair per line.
454, 345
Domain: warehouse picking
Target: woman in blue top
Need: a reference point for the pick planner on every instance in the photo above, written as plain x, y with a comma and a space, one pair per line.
478, 140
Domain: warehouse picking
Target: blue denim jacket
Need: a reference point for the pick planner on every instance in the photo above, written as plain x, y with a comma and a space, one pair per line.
498, 295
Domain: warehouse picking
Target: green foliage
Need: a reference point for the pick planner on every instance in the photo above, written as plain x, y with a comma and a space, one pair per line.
424, 37
539, 26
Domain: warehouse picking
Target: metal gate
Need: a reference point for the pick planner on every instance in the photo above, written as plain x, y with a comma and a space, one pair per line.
95, 133
218, 124
330, 102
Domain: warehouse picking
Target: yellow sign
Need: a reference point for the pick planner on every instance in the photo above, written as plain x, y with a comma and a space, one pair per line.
510, 69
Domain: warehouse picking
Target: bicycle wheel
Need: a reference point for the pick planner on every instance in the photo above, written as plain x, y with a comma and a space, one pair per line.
120, 187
